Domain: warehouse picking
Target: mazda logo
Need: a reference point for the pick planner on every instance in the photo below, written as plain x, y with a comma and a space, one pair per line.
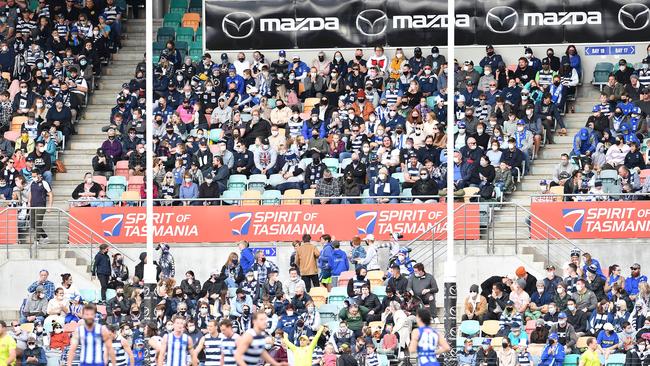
634, 16
238, 25
502, 19
372, 22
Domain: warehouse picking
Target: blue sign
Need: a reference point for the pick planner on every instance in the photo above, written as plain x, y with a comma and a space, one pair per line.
622, 50
597, 50
268, 251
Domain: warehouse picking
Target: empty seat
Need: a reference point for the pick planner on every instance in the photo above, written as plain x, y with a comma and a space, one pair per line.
185, 34
308, 196
490, 327
291, 197
135, 182
122, 168
237, 182
17, 123
275, 179
192, 20
379, 290
337, 296
101, 180
251, 198
271, 197
346, 276
332, 164
376, 278
318, 295
12, 135
116, 185
130, 197
196, 6
178, 6
172, 19
257, 182
470, 192
231, 197
163, 35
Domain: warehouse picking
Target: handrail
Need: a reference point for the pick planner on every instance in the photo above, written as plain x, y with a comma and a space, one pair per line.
75, 221
604, 194
417, 238
72, 202
562, 236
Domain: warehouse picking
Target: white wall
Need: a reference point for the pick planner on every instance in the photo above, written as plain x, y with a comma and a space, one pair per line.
17, 275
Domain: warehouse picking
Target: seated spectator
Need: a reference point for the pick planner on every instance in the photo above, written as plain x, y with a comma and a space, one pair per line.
35, 309
327, 188
86, 191
476, 305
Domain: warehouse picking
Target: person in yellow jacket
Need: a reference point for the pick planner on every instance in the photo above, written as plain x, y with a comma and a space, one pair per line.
302, 355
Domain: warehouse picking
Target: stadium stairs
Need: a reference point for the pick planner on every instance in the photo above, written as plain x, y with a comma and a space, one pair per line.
77, 157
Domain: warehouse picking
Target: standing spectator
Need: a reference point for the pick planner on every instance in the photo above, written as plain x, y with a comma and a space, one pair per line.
424, 286
102, 269
247, 257
371, 259
40, 199
306, 257
166, 262
325, 261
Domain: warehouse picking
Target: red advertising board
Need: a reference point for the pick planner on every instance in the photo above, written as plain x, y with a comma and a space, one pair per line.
592, 220
192, 224
9, 226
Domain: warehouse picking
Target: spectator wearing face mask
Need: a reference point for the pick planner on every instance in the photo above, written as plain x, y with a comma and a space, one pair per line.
34, 355
475, 305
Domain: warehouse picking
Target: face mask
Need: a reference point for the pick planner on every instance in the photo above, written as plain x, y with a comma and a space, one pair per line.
23, 90
338, 58
511, 146
169, 328
31, 346
524, 97
479, 131
551, 310
571, 307
622, 67
504, 344
427, 71
289, 313
382, 176
58, 330
188, 180
556, 83
520, 128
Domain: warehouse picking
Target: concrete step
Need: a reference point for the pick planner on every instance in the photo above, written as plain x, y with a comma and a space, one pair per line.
129, 56
86, 145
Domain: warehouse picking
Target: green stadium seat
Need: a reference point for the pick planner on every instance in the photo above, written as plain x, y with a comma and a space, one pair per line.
156, 59
231, 197
257, 182
478, 69
182, 47
178, 6
602, 71
332, 164
164, 34
172, 19
237, 182
185, 34
158, 47
199, 38
196, 46
196, 6
271, 197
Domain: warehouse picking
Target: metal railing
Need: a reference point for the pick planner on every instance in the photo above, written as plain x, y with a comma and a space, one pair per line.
26, 226
237, 201
514, 229
589, 197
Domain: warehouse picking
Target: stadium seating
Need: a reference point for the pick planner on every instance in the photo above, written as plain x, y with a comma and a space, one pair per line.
178, 6
237, 182
192, 20
469, 328
185, 34
308, 196
345, 277
490, 327
101, 180
117, 184
328, 312
232, 197
291, 197
172, 20
376, 278
257, 182
318, 295
571, 360
163, 35
122, 168
135, 183
251, 198
337, 295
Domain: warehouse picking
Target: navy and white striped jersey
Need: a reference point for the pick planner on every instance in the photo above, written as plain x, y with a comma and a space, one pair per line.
121, 358
92, 345
177, 350
228, 346
253, 354
212, 350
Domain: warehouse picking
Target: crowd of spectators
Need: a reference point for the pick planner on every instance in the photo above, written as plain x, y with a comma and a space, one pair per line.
588, 309
51, 55
381, 119
360, 325
608, 160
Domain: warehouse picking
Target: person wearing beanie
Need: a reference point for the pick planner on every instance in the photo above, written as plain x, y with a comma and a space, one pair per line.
475, 305
530, 280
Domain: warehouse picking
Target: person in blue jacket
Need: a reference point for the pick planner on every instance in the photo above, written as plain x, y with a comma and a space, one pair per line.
240, 84
324, 261
385, 185
553, 352
339, 261
287, 322
246, 257
300, 68
584, 143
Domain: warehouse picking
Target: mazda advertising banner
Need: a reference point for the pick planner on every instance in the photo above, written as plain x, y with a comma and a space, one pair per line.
240, 25
555, 21
276, 24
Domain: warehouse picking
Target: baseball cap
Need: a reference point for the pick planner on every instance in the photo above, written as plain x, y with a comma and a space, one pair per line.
282, 53
561, 315
622, 62
592, 267
550, 266
635, 266
598, 183
224, 56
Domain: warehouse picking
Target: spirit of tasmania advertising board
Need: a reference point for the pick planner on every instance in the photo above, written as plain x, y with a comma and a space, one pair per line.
192, 224
592, 220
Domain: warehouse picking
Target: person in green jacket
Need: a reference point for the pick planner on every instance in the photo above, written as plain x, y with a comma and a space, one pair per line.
302, 355
354, 315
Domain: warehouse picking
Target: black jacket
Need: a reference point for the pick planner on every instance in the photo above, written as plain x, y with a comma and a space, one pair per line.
101, 265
